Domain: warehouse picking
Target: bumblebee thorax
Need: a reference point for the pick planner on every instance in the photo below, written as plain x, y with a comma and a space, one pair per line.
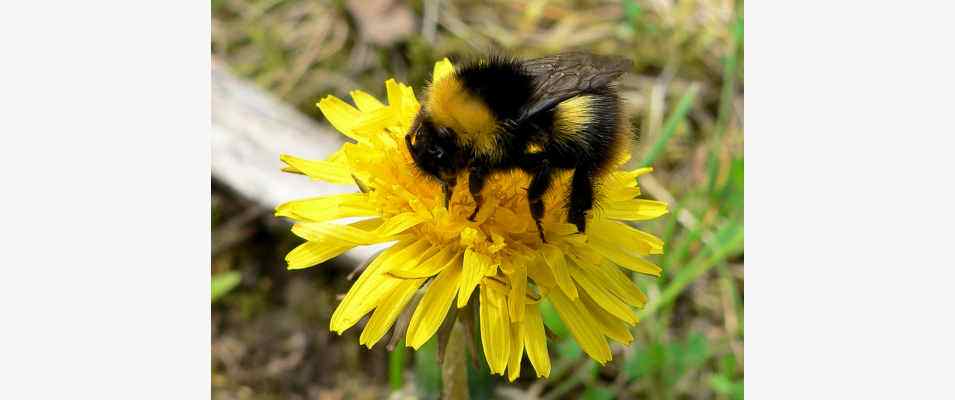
453, 105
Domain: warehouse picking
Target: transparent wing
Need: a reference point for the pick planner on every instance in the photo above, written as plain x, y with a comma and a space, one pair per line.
563, 76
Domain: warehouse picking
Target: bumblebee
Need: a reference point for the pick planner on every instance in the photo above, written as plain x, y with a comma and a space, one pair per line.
543, 115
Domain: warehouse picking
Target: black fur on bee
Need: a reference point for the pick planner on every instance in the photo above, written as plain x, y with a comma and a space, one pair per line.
541, 116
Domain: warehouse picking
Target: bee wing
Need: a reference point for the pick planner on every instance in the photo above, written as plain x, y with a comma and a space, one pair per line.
563, 76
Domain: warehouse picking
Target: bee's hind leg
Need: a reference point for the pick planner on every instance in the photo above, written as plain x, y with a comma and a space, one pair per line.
476, 180
535, 194
581, 198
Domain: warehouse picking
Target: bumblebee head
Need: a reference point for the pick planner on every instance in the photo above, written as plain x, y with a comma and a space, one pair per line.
434, 149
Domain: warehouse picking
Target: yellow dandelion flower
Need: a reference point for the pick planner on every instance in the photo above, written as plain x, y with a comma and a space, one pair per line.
448, 258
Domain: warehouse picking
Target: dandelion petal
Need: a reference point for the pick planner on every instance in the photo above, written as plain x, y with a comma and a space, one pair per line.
516, 351
625, 236
442, 69
611, 326
518, 294
309, 254
624, 259
473, 269
446, 257
433, 308
558, 266
388, 310
365, 101
535, 341
327, 171
635, 209
495, 330
602, 297
582, 326
372, 284
341, 115
325, 208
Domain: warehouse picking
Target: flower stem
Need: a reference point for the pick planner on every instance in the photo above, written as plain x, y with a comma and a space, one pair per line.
396, 362
454, 374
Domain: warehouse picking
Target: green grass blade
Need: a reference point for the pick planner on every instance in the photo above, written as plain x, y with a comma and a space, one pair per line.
632, 11
671, 124
669, 230
681, 247
728, 91
223, 283
728, 243
727, 94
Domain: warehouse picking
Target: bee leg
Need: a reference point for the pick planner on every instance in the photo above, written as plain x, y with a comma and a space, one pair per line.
535, 194
581, 198
476, 181
448, 188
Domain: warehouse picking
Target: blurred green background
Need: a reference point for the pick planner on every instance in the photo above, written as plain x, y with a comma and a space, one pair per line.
270, 337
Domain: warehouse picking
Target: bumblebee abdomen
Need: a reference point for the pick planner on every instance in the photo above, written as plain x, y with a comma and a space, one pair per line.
572, 117
587, 130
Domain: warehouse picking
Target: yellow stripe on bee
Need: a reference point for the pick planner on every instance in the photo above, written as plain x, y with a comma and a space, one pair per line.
451, 105
571, 117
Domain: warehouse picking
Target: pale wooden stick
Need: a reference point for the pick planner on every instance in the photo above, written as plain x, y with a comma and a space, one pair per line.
250, 129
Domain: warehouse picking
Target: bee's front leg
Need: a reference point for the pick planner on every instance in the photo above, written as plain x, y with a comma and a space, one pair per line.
476, 180
448, 188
